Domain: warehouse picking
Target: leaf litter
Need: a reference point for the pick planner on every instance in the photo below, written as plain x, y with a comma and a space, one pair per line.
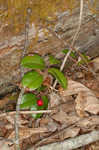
77, 112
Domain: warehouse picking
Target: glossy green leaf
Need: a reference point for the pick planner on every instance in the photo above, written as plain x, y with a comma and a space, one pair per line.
72, 54
45, 100
32, 80
53, 60
59, 76
28, 100
34, 62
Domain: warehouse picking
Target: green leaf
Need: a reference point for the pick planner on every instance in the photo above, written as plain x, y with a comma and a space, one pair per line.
45, 100
41, 88
53, 60
59, 76
34, 62
72, 54
32, 80
28, 100
65, 51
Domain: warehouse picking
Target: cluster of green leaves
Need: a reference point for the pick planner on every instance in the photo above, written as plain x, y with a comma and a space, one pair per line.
34, 81
84, 59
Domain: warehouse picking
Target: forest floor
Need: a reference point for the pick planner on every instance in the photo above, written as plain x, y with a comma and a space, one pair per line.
73, 112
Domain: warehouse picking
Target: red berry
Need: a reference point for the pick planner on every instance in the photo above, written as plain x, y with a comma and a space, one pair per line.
40, 102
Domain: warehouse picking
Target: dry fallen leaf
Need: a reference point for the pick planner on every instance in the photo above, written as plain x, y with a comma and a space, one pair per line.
62, 135
95, 64
27, 132
49, 124
86, 100
70, 132
4, 101
55, 99
11, 119
88, 124
65, 118
60, 117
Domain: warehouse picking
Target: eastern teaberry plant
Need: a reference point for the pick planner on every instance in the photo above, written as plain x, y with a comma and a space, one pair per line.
33, 80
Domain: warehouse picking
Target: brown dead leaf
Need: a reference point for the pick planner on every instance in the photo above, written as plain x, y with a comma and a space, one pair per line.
61, 135
3, 131
60, 117
27, 132
88, 124
69, 133
64, 118
68, 107
95, 64
47, 81
93, 85
93, 146
11, 119
55, 99
49, 124
4, 101
86, 100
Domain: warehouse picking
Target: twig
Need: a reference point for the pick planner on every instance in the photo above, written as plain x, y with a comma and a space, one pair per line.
74, 39
28, 112
72, 143
22, 90
16, 120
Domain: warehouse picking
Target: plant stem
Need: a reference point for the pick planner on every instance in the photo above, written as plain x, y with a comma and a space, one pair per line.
74, 39
22, 90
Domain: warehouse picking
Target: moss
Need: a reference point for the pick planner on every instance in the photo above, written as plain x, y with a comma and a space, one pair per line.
13, 12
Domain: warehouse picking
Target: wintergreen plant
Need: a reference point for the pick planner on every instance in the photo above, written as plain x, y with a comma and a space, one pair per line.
33, 80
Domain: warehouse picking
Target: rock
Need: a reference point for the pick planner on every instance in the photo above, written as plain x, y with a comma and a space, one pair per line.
11, 46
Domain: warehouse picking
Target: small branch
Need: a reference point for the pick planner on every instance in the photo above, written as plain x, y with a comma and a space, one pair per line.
16, 119
74, 39
28, 112
73, 143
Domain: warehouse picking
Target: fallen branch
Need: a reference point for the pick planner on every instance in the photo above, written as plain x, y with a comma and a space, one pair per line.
72, 143
28, 112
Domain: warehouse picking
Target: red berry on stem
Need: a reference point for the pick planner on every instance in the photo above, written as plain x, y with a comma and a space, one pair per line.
40, 102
